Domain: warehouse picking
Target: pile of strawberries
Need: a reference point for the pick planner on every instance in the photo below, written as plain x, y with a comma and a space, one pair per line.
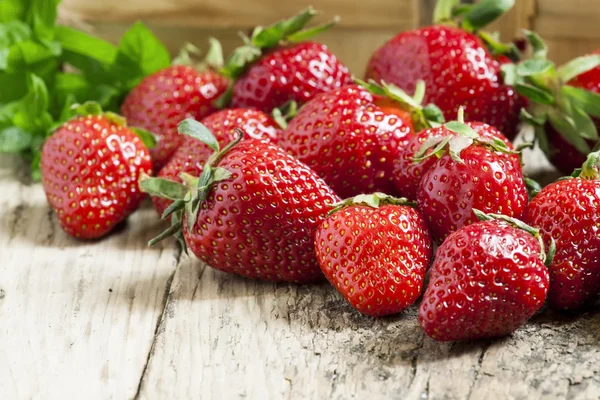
435, 195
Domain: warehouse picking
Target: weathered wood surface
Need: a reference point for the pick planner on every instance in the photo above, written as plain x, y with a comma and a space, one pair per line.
114, 319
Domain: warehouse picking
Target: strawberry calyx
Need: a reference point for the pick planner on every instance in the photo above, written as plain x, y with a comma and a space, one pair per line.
465, 136
264, 38
187, 197
567, 109
590, 169
282, 115
373, 200
474, 17
546, 257
423, 117
213, 61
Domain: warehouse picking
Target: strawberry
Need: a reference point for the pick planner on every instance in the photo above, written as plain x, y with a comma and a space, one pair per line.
253, 211
276, 65
90, 167
170, 95
192, 153
351, 136
471, 172
486, 281
408, 172
567, 211
375, 250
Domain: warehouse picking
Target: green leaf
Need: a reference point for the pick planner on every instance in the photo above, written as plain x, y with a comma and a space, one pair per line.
566, 127
170, 231
419, 94
535, 120
588, 101
309, 33
29, 52
578, 66
434, 115
498, 48
534, 67
399, 95
163, 188
195, 129
32, 113
369, 199
240, 59
41, 16
485, 12
535, 94
12, 10
12, 32
444, 10
462, 129
147, 137
456, 145
14, 140
584, 124
87, 45
539, 47
13, 86
87, 108
214, 55
270, 36
509, 74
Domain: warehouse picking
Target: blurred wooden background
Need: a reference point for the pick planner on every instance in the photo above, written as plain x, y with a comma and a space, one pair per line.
568, 26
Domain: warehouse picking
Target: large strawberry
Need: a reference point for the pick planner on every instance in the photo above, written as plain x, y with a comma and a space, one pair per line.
487, 280
167, 97
414, 160
472, 172
192, 154
352, 136
564, 103
457, 67
253, 211
568, 211
375, 249
90, 168
277, 65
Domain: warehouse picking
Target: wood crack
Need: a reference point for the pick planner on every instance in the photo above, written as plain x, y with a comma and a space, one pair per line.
478, 367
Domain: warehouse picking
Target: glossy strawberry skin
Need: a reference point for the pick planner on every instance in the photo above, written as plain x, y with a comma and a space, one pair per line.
167, 97
375, 257
192, 154
298, 73
261, 222
349, 140
408, 173
486, 281
458, 71
487, 181
567, 210
90, 168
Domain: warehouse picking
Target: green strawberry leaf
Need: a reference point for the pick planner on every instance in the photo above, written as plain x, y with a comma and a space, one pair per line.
14, 140
162, 188
79, 42
307, 34
566, 126
195, 129
485, 12
588, 101
509, 74
147, 137
535, 120
462, 129
578, 66
534, 93
584, 124
539, 47
269, 36
240, 60
494, 44
533, 67
434, 115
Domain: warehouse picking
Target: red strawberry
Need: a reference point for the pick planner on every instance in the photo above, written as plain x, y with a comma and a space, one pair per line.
351, 137
456, 66
375, 250
569, 212
90, 167
192, 154
474, 174
566, 116
168, 96
256, 212
408, 172
273, 68
487, 280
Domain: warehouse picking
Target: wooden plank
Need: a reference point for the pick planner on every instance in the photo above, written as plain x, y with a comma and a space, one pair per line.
77, 319
518, 18
563, 50
240, 13
572, 9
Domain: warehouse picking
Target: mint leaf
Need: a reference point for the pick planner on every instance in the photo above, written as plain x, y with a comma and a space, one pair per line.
41, 16
82, 43
29, 52
11, 10
32, 112
12, 32
14, 140
14, 86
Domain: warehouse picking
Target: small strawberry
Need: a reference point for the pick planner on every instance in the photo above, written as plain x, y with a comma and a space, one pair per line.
352, 136
375, 250
457, 67
277, 64
168, 96
90, 167
253, 211
564, 103
472, 172
568, 211
411, 165
486, 281
192, 154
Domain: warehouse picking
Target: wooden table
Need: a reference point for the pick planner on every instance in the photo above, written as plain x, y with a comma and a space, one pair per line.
115, 319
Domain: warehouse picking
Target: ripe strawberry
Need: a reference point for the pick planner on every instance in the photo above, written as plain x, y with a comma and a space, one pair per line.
275, 66
192, 154
408, 172
474, 174
253, 211
90, 167
351, 136
167, 97
564, 103
375, 250
486, 281
456, 66
568, 212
